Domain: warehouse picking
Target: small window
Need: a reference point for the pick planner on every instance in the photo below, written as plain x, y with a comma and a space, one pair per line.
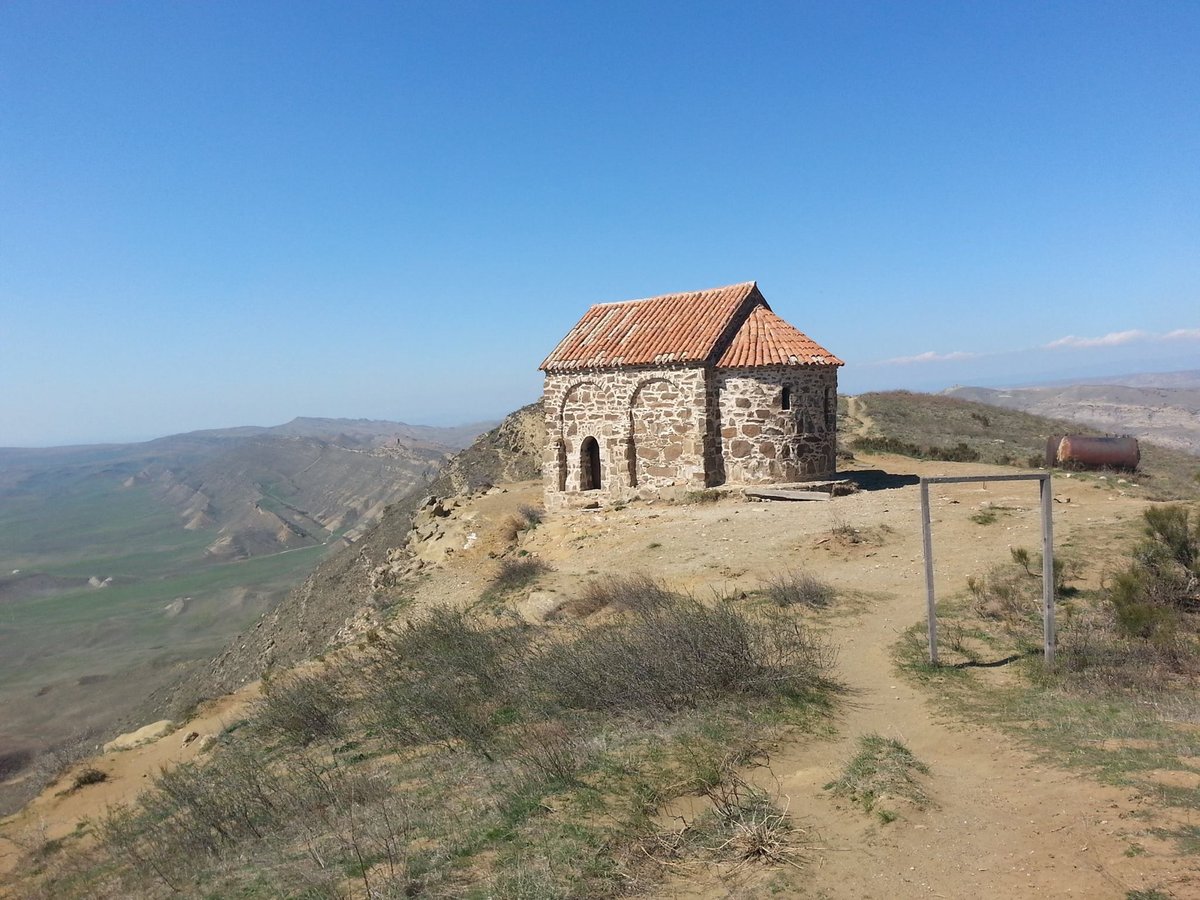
785, 400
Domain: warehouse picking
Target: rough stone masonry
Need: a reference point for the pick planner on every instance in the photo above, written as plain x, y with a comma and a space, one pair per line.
685, 390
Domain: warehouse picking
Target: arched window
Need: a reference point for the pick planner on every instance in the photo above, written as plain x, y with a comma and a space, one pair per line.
785, 399
589, 465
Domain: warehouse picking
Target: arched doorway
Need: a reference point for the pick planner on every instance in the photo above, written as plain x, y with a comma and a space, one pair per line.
589, 465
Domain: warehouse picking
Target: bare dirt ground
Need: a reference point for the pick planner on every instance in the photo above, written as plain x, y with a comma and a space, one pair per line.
1002, 824
57, 811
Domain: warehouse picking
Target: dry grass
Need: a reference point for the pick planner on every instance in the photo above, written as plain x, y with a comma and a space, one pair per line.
800, 589
882, 770
471, 753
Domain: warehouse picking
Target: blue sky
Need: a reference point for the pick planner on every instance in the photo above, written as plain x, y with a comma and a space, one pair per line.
234, 213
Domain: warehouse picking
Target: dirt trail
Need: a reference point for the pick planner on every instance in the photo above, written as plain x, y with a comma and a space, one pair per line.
856, 412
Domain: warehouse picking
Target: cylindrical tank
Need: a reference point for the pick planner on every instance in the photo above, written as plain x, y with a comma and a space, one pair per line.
1091, 452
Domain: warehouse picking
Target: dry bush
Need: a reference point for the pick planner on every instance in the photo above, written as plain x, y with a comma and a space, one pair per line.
514, 574
531, 515
86, 776
1006, 594
526, 518
744, 823
753, 826
511, 528
800, 589
677, 656
630, 593
550, 750
304, 707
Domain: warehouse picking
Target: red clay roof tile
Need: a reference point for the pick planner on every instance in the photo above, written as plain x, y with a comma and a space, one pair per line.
766, 340
729, 326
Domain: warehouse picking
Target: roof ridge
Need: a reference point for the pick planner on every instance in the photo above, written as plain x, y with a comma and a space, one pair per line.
724, 287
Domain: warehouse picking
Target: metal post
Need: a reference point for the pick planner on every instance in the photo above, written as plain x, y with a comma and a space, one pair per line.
927, 540
1048, 570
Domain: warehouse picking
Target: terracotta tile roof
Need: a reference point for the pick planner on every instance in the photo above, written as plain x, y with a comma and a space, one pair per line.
673, 328
766, 340
729, 323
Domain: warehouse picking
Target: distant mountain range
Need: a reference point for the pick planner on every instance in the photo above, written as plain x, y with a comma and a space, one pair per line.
122, 563
1162, 407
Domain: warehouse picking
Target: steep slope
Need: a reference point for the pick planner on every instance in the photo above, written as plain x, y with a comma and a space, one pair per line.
305, 621
123, 565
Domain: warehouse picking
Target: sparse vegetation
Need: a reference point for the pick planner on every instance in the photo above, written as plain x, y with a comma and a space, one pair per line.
513, 574
799, 589
883, 769
1123, 688
960, 452
455, 735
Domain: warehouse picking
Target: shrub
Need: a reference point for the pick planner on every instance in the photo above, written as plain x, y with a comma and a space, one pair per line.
303, 707
89, 775
1163, 580
678, 655
514, 574
442, 680
800, 589
628, 593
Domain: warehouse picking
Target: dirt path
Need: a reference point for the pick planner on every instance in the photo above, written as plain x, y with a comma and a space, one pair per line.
856, 411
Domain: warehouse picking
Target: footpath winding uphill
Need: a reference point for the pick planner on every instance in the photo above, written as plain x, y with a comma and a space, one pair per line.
1001, 823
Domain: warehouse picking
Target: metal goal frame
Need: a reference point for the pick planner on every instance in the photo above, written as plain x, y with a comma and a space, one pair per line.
1043, 479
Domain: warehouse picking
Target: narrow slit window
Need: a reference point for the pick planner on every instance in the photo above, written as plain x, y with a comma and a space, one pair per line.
785, 400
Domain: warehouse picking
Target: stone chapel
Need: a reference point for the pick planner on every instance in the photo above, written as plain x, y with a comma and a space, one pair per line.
686, 390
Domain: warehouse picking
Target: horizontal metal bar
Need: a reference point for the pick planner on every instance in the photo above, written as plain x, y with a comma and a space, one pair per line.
962, 479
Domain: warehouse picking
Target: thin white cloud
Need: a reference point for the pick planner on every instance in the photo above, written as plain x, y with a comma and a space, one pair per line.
1070, 342
927, 357
1112, 339
1119, 338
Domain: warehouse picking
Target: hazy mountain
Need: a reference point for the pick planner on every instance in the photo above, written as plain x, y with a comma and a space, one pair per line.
1167, 415
121, 563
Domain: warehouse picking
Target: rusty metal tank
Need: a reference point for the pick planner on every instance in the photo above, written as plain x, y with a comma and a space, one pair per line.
1086, 451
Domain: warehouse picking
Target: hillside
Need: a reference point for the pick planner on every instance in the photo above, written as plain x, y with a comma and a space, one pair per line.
121, 565
1168, 416
507, 710
489, 701
937, 426
368, 576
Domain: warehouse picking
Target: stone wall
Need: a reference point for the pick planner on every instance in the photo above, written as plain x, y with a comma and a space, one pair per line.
761, 441
648, 424
657, 428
